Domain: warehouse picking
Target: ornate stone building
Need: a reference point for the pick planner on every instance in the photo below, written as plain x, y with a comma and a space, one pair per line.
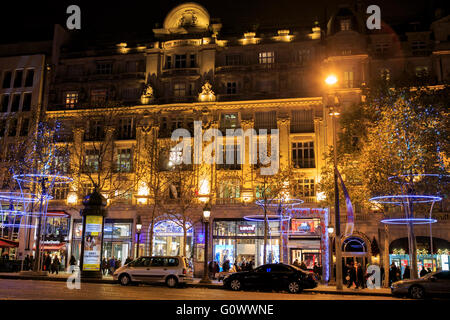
273, 80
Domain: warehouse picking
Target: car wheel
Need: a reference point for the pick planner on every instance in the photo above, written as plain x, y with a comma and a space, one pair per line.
125, 280
171, 282
294, 287
417, 292
235, 285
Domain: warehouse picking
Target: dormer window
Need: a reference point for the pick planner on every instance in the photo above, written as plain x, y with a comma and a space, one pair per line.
345, 24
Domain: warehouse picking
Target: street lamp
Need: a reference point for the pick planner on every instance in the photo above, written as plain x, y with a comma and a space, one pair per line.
330, 81
206, 215
138, 232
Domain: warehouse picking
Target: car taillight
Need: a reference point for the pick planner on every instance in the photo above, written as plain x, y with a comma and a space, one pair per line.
184, 271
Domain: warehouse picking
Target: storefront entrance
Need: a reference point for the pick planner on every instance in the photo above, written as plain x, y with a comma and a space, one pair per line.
308, 256
168, 239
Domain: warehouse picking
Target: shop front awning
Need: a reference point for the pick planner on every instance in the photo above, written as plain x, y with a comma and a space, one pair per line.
5, 243
58, 213
52, 247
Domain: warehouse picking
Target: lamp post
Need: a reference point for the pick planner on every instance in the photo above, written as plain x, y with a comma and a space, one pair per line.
330, 251
330, 81
206, 215
138, 232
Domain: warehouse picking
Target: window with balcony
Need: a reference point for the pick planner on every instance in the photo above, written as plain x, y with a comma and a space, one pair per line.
5, 102
7, 75
26, 104
349, 79
18, 77
231, 157
15, 104
421, 71
179, 89
382, 48
303, 154
168, 62
231, 87
303, 56
229, 121
193, 60
104, 68
266, 120
29, 78
126, 129
60, 192
24, 127
98, 96
95, 131
71, 99
233, 60
266, 57
92, 160
180, 61
124, 161
229, 190
302, 121
345, 24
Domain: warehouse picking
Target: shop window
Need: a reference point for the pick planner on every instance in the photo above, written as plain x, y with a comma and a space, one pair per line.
303, 154
305, 227
26, 104
224, 228
18, 77
29, 78
7, 75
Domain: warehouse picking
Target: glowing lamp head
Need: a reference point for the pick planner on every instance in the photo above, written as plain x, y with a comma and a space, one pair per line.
331, 80
206, 212
330, 230
72, 198
138, 224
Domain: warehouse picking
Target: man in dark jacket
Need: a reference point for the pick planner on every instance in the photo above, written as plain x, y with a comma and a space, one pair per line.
407, 273
423, 272
48, 262
393, 273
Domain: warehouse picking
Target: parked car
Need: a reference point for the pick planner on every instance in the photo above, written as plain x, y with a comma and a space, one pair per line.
173, 270
272, 276
435, 283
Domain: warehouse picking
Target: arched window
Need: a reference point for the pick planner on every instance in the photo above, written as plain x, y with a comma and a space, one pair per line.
354, 244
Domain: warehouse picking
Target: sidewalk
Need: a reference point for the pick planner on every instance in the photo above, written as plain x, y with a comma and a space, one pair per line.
323, 289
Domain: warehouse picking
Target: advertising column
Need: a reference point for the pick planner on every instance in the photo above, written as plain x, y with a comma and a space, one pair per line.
92, 239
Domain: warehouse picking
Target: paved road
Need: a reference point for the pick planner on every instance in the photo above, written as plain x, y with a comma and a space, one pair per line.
49, 290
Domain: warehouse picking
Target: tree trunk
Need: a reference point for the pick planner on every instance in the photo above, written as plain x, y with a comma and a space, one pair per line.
184, 239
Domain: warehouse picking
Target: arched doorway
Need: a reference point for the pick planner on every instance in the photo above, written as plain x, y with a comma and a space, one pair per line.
168, 239
355, 249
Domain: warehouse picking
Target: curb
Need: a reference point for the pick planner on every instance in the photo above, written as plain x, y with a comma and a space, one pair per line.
190, 285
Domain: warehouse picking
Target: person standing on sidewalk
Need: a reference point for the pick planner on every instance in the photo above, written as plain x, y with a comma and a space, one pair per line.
55, 265
407, 273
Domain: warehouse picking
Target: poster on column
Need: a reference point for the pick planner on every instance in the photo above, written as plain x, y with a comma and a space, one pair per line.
92, 243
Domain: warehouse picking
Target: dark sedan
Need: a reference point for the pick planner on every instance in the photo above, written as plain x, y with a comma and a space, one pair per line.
272, 276
436, 283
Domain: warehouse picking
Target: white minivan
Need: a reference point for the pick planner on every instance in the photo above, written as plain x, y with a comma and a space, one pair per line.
173, 270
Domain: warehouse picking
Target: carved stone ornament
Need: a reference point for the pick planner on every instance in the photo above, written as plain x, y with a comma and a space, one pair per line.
188, 19
207, 94
147, 94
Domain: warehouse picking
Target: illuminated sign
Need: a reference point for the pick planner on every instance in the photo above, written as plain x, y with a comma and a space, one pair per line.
247, 228
92, 243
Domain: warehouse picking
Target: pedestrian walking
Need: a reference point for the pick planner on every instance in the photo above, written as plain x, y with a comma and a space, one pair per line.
303, 266
393, 274
55, 265
48, 262
423, 272
226, 266
112, 265
407, 273
128, 260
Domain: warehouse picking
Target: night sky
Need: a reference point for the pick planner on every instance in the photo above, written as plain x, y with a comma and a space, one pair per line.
106, 19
